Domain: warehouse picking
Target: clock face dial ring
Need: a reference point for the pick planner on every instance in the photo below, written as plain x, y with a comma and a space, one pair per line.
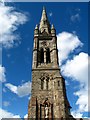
44, 43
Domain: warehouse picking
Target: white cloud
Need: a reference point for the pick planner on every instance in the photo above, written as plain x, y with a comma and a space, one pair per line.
21, 90
6, 114
26, 116
66, 82
13, 88
6, 103
4, 90
67, 43
29, 97
89, 99
82, 103
77, 114
50, 14
75, 17
10, 19
2, 74
77, 69
1, 2
82, 100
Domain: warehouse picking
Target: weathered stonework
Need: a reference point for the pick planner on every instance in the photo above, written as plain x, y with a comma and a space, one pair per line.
48, 99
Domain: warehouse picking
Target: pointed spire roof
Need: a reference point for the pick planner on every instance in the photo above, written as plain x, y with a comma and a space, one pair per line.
44, 23
44, 14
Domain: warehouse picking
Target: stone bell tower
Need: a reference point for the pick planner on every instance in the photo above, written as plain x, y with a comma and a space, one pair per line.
48, 95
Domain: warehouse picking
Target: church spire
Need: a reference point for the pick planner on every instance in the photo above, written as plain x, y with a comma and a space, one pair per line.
44, 14
44, 23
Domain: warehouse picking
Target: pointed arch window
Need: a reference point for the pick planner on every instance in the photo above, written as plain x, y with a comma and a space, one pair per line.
46, 84
41, 55
48, 55
58, 83
42, 84
44, 22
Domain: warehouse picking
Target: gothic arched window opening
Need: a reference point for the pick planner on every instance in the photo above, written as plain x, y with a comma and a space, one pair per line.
48, 55
55, 96
44, 22
46, 84
41, 55
42, 84
58, 83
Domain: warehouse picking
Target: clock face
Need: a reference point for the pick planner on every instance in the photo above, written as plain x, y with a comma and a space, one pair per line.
44, 43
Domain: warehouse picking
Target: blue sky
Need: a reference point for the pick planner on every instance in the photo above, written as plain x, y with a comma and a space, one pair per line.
71, 23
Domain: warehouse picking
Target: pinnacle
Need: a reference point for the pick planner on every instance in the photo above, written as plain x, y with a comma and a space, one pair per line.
52, 27
36, 26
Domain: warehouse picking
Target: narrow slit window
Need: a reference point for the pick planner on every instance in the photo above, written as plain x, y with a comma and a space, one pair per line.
41, 55
46, 84
55, 96
42, 84
48, 55
58, 83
